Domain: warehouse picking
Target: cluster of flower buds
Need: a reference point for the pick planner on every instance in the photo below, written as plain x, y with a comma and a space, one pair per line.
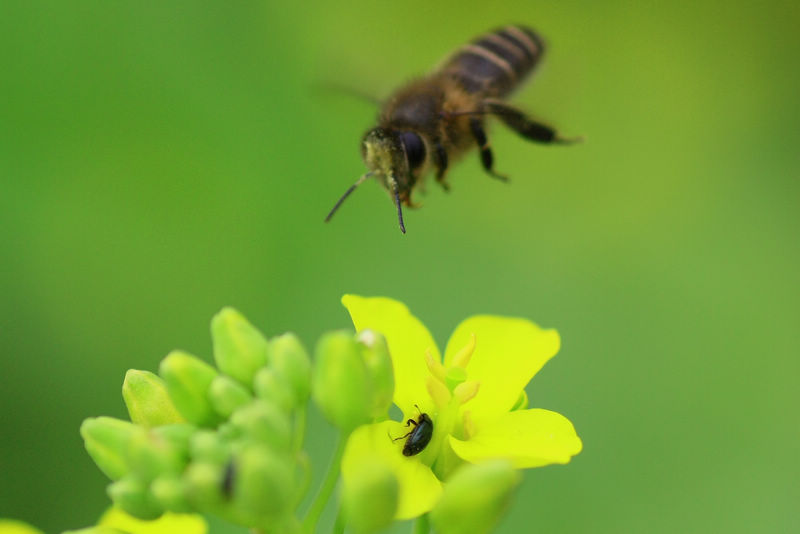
228, 439
224, 440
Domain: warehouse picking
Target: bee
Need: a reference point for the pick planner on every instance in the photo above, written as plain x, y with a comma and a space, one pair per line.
431, 122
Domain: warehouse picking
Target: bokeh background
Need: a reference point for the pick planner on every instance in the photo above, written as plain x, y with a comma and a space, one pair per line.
159, 160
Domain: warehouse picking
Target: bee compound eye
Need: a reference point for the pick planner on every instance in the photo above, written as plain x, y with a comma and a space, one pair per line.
414, 147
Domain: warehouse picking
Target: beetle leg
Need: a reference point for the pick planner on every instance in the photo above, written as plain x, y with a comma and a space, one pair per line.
401, 437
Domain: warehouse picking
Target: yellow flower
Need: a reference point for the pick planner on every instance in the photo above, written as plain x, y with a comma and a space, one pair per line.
11, 526
475, 398
166, 524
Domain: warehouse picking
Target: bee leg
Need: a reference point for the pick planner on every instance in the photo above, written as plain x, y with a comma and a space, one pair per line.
440, 160
525, 126
476, 125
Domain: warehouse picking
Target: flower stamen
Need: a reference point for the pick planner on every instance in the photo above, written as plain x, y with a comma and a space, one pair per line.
438, 392
466, 390
462, 357
435, 366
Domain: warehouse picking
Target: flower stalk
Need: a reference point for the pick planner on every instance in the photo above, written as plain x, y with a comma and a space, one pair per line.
325, 489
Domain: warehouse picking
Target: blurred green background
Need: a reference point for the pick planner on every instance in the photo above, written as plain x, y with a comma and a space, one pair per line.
159, 160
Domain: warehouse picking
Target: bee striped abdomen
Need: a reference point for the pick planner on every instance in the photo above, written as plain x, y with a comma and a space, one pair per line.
494, 64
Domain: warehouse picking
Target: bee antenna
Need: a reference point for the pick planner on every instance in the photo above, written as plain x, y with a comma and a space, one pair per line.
347, 194
396, 192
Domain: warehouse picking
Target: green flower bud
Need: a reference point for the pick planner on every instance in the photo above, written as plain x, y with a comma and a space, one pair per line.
203, 485
264, 422
177, 436
106, 440
209, 446
150, 454
188, 380
226, 395
270, 387
148, 402
132, 496
168, 491
379, 365
341, 385
229, 433
369, 496
475, 498
239, 349
263, 485
290, 361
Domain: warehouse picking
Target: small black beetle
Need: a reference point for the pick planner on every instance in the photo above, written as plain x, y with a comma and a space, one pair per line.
420, 435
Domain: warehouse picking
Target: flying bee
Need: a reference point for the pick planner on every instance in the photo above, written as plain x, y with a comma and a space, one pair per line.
429, 123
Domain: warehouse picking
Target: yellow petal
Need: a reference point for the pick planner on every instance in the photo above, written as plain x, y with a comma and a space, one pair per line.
168, 523
419, 489
508, 353
407, 338
11, 526
528, 438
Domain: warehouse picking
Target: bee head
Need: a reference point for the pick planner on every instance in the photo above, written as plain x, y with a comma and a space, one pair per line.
395, 157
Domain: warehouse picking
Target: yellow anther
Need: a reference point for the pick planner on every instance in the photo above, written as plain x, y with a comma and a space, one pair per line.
466, 390
435, 366
461, 359
438, 392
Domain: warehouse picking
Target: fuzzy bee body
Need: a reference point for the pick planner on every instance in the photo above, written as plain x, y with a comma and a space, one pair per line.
432, 121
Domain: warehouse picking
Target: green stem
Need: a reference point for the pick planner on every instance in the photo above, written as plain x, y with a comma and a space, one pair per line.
304, 464
338, 526
299, 429
421, 525
326, 488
